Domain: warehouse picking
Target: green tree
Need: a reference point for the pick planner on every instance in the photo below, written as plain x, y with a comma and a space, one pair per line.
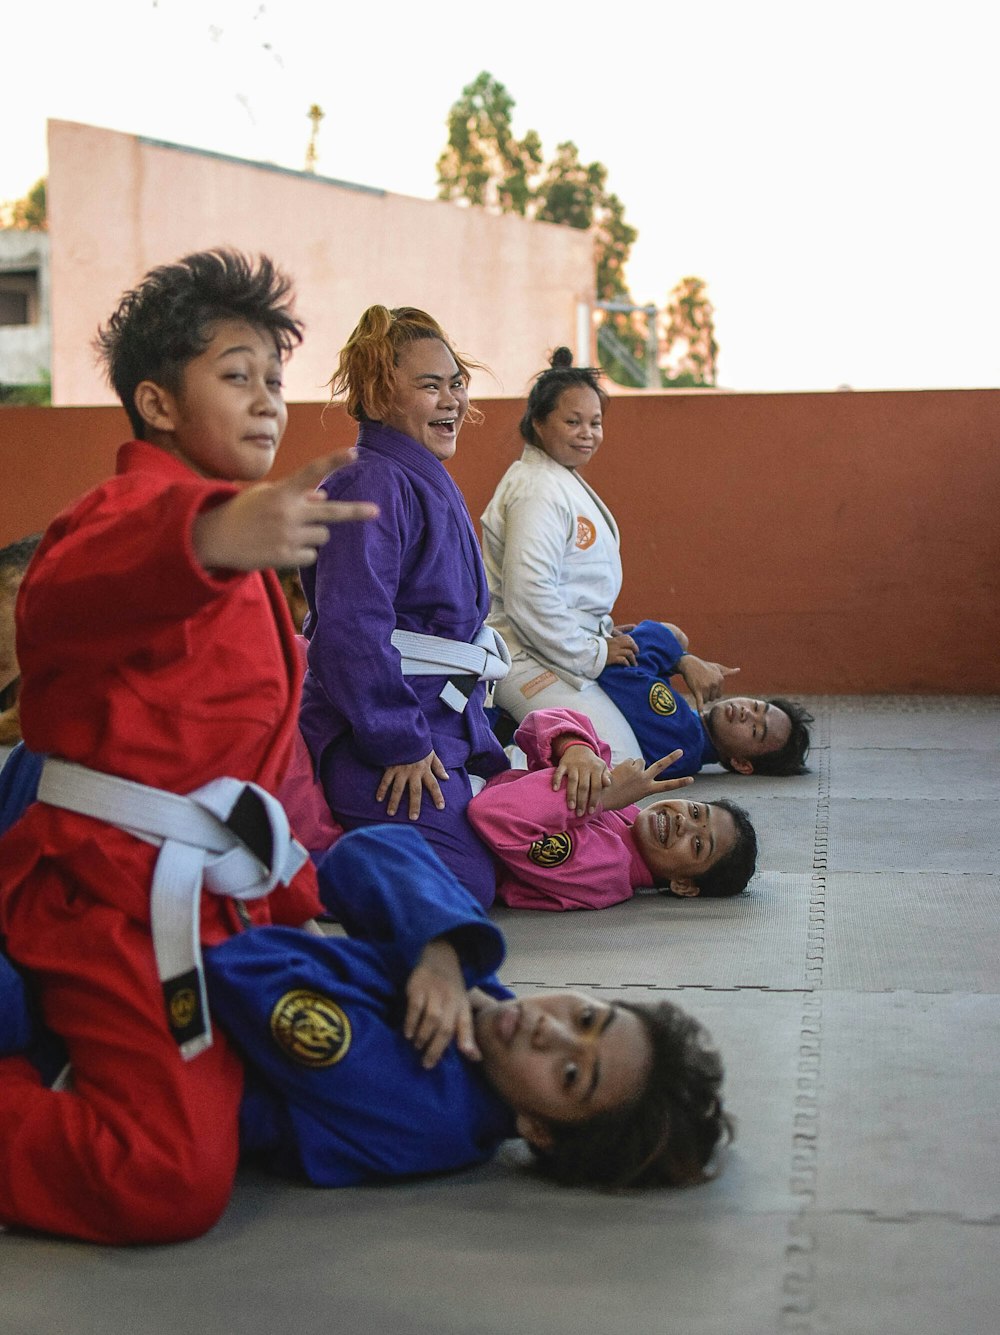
27, 214
576, 194
688, 339
484, 163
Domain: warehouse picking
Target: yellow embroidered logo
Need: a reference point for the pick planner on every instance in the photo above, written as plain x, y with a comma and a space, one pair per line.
182, 1007
551, 851
661, 701
310, 1028
586, 533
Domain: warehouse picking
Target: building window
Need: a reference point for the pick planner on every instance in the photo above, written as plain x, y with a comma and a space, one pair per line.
19, 297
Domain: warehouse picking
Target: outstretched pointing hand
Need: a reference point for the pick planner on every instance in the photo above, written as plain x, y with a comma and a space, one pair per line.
276, 523
704, 680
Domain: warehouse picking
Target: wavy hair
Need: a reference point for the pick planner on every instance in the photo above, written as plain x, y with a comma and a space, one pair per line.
365, 378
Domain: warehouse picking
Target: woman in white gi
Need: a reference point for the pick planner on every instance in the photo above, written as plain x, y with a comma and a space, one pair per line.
551, 550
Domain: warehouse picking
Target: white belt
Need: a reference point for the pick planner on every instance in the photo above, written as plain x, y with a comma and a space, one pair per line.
231, 836
487, 658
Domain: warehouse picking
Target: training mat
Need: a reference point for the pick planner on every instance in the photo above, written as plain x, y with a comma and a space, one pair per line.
853, 995
750, 940
924, 931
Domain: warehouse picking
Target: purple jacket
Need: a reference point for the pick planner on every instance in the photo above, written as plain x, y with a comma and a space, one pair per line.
416, 567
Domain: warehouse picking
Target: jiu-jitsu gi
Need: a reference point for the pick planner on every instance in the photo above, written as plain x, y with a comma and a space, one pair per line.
551, 550
416, 568
549, 857
335, 1093
136, 662
661, 718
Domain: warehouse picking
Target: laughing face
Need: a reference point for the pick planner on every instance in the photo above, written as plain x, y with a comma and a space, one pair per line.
430, 397
680, 841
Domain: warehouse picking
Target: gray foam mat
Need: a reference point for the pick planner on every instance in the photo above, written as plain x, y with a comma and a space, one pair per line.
897, 773
919, 930
749, 940
908, 1108
946, 834
853, 994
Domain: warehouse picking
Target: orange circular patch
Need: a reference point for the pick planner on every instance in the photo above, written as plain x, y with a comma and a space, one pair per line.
586, 533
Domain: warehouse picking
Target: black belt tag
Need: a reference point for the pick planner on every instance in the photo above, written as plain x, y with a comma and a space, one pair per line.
249, 821
185, 1012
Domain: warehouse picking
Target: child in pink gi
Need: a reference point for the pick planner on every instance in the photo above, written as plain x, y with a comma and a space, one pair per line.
591, 847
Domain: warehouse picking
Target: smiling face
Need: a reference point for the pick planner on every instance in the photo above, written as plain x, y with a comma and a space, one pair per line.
680, 841
561, 1057
228, 416
572, 433
430, 397
742, 729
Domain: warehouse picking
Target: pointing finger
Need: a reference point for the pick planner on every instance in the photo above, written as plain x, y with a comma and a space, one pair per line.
312, 474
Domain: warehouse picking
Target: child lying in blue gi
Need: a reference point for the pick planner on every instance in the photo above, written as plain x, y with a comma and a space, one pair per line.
397, 1051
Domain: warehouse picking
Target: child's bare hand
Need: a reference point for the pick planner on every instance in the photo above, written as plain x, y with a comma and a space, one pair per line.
276, 523
622, 649
704, 680
631, 781
586, 777
437, 1005
411, 780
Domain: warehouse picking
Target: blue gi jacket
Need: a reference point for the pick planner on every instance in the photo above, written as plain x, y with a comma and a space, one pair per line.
661, 719
335, 1093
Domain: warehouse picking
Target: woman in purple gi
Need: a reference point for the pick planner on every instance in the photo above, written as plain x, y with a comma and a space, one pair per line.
394, 721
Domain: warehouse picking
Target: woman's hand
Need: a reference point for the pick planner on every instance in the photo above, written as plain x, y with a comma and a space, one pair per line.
437, 1005
586, 777
412, 779
622, 649
631, 781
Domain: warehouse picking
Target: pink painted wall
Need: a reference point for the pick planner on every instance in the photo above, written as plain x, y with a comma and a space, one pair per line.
119, 205
827, 543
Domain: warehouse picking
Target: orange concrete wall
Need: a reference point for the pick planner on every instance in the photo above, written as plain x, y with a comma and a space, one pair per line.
505, 288
844, 543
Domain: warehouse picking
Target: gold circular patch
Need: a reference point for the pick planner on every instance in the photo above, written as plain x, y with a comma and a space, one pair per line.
183, 1005
661, 701
586, 533
310, 1028
551, 851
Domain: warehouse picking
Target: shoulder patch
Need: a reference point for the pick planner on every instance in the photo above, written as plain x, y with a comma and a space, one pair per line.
552, 851
586, 533
661, 700
310, 1028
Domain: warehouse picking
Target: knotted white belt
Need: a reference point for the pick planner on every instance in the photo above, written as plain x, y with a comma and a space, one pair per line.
231, 836
487, 658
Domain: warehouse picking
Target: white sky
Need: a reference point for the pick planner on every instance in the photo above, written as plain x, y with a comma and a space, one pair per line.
829, 169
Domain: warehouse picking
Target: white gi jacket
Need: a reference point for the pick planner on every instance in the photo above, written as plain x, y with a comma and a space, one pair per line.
551, 551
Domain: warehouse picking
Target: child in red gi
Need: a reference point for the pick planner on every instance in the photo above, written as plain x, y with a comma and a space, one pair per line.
155, 646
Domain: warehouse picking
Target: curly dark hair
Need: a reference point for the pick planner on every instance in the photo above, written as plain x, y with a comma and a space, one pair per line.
165, 322
549, 385
791, 758
669, 1134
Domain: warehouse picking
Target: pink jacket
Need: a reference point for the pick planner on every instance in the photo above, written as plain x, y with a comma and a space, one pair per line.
551, 858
